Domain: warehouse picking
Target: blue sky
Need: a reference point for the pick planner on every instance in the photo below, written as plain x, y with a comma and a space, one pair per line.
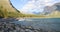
30, 6
18, 3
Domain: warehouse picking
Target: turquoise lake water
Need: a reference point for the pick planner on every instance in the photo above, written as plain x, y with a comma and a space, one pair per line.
43, 23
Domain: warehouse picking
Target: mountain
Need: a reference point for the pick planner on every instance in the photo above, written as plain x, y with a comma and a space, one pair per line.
6, 4
56, 11
8, 10
37, 13
55, 14
57, 6
51, 9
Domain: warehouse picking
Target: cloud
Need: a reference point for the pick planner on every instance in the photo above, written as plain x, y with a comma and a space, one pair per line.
36, 5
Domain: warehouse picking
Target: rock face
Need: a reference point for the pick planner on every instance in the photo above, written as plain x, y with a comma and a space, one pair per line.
6, 4
49, 9
57, 6
54, 7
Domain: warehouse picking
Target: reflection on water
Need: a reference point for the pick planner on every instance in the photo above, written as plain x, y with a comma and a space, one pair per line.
46, 24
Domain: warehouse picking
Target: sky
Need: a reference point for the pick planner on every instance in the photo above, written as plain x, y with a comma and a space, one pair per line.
30, 6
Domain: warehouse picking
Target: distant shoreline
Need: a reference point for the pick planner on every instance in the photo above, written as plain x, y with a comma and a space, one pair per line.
37, 17
27, 17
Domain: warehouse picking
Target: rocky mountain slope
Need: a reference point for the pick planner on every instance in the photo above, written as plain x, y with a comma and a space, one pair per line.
52, 9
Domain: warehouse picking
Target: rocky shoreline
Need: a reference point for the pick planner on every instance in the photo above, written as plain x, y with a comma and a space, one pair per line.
6, 25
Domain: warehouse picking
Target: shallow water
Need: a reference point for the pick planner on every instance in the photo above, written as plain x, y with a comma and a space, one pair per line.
43, 23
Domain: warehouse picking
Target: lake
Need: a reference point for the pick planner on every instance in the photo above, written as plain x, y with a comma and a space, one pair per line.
43, 23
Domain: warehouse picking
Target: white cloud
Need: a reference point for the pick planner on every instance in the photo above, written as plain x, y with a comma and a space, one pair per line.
28, 8
36, 5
